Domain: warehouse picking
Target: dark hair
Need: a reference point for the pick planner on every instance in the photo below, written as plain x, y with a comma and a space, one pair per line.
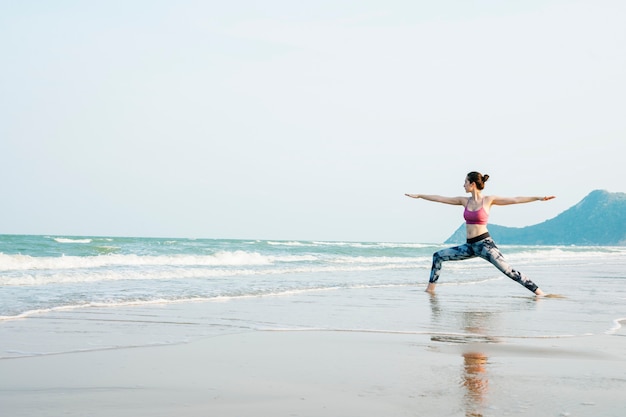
478, 179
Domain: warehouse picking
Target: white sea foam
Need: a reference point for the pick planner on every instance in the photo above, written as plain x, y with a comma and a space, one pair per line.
617, 325
222, 258
365, 260
557, 253
197, 299
111, 274
374, 245
356, 245
68, 240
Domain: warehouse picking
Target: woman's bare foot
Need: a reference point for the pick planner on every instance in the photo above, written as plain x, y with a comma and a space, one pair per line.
431, 288
539, 292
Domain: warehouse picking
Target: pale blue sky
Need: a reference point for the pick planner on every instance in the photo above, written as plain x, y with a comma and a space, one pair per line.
303, 120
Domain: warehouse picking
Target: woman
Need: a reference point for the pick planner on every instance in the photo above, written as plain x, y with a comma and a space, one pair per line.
479, 243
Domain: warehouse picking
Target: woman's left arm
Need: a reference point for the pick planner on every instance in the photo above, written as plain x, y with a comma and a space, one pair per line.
503, 201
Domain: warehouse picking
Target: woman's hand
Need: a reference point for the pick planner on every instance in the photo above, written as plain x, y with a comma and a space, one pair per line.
412, 195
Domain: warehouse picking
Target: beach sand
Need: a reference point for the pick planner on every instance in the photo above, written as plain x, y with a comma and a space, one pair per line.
325, 373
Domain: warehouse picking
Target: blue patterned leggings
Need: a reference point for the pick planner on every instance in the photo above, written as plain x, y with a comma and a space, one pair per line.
486, 249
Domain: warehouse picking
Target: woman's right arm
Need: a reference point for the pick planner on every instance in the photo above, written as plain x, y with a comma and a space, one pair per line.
457, 201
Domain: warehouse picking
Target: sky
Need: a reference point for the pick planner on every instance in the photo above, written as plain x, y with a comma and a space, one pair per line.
303, 120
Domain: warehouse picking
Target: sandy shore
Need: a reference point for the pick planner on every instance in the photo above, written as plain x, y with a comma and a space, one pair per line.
323, 373
328, 343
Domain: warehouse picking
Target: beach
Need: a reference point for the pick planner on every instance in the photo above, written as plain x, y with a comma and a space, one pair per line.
325, 372
319, 374
376, 346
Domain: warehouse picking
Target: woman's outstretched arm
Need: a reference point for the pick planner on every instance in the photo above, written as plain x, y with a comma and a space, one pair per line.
458, 201
503, 201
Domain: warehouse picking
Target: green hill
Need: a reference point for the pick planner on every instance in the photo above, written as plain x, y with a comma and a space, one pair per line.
599, 219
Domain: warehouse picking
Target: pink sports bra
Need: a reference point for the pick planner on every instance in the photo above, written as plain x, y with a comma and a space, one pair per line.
479, 216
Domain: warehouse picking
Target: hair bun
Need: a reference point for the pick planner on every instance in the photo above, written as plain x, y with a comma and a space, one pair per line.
485, 178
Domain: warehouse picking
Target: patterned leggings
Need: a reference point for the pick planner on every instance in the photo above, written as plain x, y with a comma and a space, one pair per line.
486, 249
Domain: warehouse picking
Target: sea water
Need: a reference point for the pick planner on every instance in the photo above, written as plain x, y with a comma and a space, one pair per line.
62, 293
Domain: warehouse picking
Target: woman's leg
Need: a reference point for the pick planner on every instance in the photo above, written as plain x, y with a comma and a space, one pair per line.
488, 250
455, 253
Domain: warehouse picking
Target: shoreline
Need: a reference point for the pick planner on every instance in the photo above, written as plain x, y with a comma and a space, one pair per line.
480, 346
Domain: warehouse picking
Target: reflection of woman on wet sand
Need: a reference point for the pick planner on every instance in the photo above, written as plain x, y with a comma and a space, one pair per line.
474, 379
479, 242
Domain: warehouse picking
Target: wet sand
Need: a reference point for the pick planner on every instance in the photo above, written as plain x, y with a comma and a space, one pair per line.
325, 373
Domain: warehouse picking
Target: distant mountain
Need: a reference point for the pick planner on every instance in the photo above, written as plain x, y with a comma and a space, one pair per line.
599, 219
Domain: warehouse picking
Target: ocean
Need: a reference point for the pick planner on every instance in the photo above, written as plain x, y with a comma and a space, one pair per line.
110, 284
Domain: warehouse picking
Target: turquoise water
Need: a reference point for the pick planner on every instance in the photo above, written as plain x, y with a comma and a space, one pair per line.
39, 273
144, 291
